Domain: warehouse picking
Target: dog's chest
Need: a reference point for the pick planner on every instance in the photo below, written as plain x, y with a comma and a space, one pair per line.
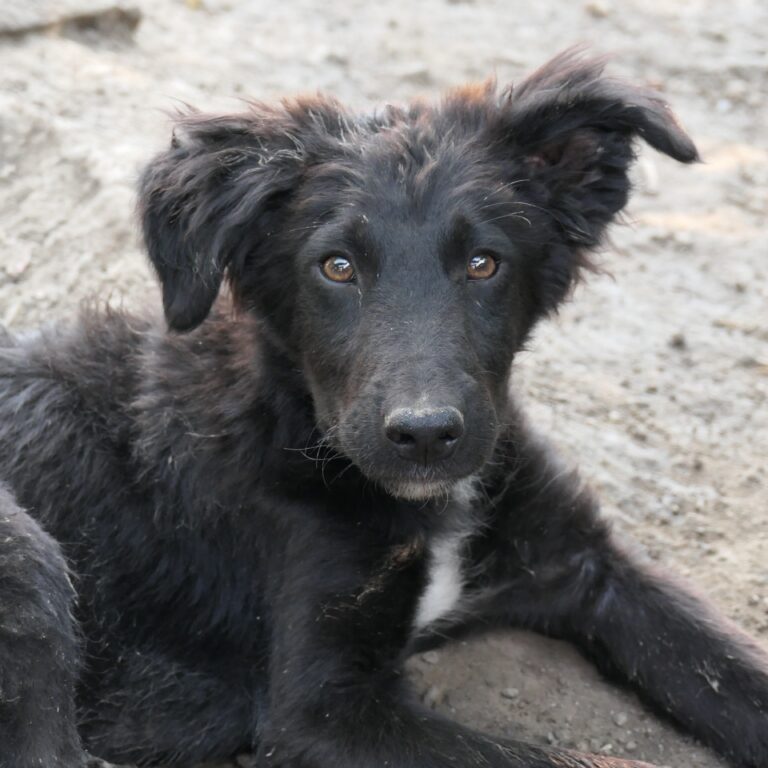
445, 581
446, 566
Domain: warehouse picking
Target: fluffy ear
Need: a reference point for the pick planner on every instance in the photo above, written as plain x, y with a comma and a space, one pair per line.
574, 130
205, 203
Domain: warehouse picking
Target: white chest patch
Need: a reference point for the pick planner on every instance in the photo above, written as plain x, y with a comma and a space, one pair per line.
446, 579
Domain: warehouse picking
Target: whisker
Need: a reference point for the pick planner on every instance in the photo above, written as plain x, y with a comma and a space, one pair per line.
514, 214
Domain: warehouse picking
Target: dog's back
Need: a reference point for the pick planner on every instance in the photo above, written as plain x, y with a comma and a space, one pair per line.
107, 438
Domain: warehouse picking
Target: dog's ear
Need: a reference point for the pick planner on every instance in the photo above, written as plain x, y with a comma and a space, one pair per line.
205, 203
573, 130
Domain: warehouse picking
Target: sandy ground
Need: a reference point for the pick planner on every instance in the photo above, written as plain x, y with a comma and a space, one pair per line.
654, 378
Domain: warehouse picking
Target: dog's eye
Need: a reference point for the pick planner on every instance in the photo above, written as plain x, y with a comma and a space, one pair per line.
338, 268
482, 266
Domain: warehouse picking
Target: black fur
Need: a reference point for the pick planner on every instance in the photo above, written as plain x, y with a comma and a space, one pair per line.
39, 654
250, 536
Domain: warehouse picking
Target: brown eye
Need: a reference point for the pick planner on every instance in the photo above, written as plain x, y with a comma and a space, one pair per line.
338, 268
482, 266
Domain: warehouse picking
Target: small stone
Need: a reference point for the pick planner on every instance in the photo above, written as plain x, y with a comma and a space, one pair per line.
430, 657
598, 9
19, 264
510, 693
736, 89
416, 74
433, 696
22, 18
724, 105
339, 59
677, 341
630, 746
650, 175
620, 718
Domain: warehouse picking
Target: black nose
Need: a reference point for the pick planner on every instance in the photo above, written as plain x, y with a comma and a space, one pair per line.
425, 435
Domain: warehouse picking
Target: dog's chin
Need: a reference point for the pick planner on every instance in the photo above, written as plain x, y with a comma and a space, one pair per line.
418, 490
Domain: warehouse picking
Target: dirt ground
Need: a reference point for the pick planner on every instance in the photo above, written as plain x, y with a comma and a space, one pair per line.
654, 378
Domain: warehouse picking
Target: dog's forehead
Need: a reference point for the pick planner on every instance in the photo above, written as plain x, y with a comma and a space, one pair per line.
412, 172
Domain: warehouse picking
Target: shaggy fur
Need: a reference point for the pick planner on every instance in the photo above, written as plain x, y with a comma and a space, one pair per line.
270, 503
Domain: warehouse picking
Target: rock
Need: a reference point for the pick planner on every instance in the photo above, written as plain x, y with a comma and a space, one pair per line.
598, 9
20, 17
736, 89
509, 693
433, 696
723, 105
650, 175
416, 74
430, 657
620, 718
677, 341
683, 239
19, 257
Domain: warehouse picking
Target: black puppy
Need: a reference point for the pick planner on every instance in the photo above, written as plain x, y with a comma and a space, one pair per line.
266, 514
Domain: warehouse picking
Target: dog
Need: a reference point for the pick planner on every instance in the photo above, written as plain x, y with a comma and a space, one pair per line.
312, 465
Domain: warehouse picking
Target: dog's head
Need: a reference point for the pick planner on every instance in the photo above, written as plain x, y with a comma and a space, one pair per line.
400, 259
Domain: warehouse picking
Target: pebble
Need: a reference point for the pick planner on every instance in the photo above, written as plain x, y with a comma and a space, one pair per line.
736, 89
19, 264
20, 18
510, 693
724, 105
430, 657
650, 173
416, 74
598, 9
678, 341
683, 239
434, 696
620, 718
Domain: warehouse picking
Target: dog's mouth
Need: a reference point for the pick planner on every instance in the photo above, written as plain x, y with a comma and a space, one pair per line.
418, 490
418, 483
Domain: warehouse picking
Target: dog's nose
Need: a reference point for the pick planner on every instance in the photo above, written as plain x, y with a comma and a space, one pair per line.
425, 435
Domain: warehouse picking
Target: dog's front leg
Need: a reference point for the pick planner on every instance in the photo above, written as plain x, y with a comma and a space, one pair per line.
39, 654
549, 563
342, 621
